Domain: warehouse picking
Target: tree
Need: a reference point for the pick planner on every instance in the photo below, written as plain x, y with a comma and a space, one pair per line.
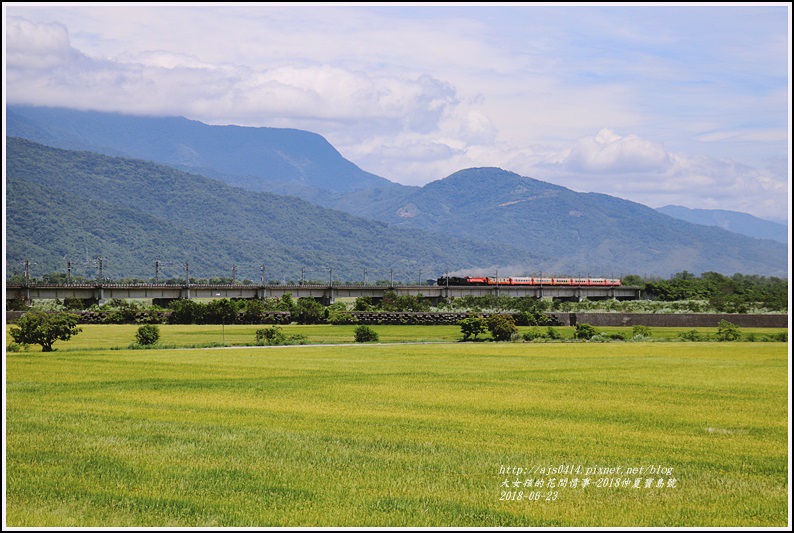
363, 303
389, 301
45, 329
308, 311
286, 303
253, 311
186, 312
471, 327
502, 327
147, 335
223, 311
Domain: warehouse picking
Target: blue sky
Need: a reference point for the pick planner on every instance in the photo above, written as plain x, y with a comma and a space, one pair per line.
659, 104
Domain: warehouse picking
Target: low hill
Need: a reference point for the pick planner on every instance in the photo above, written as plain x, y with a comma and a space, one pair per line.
77, 205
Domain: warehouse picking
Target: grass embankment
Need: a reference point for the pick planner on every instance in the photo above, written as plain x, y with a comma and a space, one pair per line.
398, 435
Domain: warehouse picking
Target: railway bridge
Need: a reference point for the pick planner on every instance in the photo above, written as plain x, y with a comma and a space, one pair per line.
326, 294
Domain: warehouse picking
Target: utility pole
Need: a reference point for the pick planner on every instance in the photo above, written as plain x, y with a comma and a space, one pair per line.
101, 279
264, 283
391, 275
187, 279
234, 273
365, 277
157, 264
303, 275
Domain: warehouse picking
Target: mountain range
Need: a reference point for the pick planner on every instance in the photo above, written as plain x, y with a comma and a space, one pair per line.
730, 220
69, 205
189, 189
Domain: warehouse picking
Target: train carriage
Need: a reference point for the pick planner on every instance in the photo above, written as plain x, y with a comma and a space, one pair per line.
472, 280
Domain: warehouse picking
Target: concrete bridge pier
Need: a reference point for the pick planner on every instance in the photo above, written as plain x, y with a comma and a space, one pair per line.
328, 297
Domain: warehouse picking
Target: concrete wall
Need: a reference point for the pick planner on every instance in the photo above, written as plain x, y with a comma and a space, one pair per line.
673, 320
558, 319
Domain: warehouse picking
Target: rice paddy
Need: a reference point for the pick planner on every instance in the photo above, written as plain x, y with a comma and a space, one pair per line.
453, 434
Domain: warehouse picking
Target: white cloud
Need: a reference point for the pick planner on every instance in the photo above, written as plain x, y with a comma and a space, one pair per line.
46, 70
37, 46
416, 93
608, 152
641, 170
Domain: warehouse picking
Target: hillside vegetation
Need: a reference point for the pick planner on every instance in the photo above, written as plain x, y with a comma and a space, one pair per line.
64, 204
580, 233
530, 226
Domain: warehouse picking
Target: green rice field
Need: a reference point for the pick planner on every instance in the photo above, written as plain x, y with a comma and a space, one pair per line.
97, 336
452, 434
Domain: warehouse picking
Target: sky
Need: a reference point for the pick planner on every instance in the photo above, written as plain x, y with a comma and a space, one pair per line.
661, 104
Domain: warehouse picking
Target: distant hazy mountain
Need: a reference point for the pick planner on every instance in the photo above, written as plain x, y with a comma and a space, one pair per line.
286, 161
76, 205
583, 232
730, 220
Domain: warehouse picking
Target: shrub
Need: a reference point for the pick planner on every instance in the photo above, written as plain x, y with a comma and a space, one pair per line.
76, 304
13, 347
338, 318
272, 336
644, 331
297, 339
532, 317
471, 327
728, 332
147, 335
692, 336
553, 334
584, 332
365, 334
533, 334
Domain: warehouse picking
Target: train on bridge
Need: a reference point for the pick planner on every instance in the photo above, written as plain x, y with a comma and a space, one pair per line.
470, 281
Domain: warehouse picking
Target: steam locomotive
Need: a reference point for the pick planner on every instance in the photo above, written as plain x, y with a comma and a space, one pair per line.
471, 281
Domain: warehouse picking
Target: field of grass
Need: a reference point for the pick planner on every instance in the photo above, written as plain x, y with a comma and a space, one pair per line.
95, 336
396, 435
